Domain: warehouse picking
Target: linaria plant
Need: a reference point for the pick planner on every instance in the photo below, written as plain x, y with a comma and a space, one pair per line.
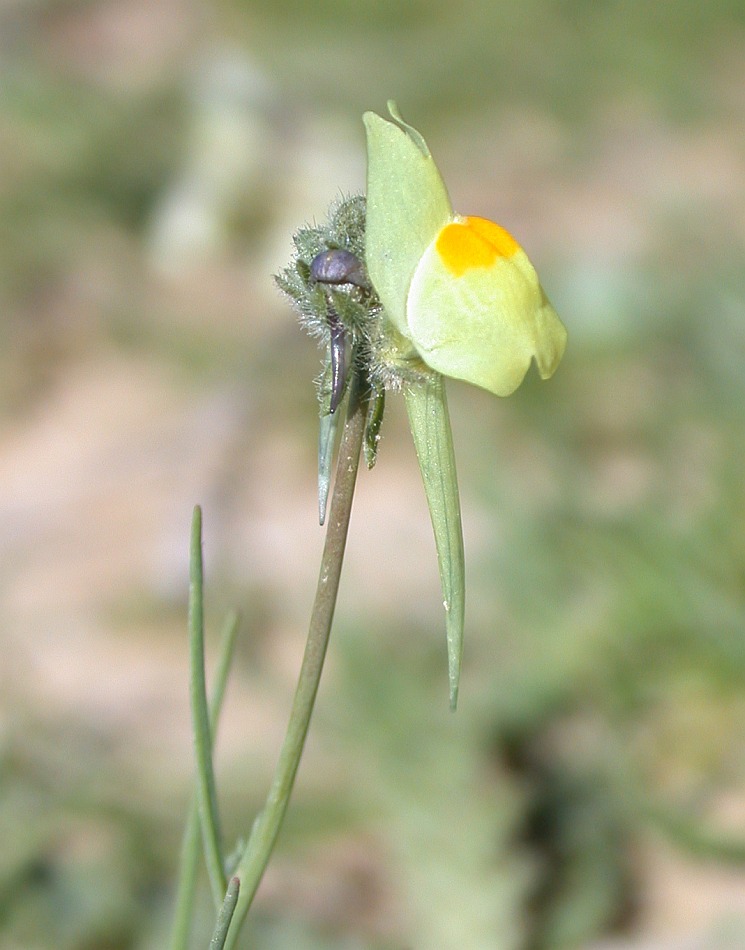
401, 292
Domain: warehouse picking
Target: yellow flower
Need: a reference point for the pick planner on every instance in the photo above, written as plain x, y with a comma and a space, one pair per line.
463, 300
460, 290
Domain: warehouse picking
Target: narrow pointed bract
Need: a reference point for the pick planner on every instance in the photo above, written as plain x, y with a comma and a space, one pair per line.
433, 439
372, 429
326, 438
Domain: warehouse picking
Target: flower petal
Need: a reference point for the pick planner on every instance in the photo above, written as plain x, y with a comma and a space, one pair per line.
407, 204
476, 310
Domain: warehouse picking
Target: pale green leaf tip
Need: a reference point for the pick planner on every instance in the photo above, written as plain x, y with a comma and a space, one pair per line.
454, 684
454, 633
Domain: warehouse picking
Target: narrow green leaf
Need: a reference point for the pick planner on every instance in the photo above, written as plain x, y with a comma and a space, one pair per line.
226, 915
430, 425
206, 792
188, 865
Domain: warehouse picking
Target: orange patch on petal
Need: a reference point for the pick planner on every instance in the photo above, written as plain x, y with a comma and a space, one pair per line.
473, 242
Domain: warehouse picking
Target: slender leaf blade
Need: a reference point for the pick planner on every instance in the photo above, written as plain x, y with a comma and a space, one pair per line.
426, 404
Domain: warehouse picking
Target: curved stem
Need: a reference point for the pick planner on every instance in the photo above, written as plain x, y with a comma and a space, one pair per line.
267, 825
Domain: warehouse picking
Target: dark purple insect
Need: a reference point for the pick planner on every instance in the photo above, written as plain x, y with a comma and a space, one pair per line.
337, 267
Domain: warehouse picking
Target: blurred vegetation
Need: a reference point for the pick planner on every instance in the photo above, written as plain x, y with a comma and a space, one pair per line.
153, 157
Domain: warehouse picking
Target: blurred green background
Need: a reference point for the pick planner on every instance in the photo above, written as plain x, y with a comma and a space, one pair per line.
155, 159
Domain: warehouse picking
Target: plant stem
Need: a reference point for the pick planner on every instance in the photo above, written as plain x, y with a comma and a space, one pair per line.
268, 823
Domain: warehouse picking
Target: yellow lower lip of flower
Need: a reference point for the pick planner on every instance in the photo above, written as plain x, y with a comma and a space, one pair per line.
470, 242
476, 310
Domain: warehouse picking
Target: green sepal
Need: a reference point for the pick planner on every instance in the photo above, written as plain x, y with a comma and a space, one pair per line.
433, 439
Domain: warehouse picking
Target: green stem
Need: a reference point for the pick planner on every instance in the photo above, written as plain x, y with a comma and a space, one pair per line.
190, 851
268, 823
205, 788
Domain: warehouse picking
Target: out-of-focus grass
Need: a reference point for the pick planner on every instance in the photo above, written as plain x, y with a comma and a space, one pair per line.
602, 702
